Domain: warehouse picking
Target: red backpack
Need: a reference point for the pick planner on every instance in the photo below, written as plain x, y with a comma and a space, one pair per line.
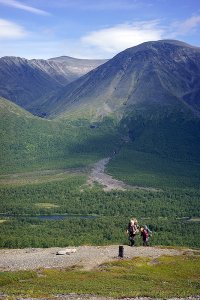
146, 233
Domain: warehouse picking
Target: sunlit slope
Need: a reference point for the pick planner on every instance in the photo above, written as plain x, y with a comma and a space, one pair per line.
29, 142
156, 74
152, 90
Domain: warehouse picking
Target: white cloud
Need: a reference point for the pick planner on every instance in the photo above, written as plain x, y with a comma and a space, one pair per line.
122, 36
190, 24
17, 4
11, 30
102, 43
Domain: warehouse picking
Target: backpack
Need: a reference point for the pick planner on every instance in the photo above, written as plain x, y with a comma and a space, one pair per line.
146, 233
131, 229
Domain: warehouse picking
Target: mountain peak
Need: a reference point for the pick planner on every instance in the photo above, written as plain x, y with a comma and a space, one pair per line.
158, 73
158, 45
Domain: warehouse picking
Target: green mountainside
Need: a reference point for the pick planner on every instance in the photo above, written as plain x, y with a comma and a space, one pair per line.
146, 96
151, 91
29, 142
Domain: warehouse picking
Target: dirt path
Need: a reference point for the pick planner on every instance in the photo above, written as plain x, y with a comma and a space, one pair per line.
86, 257
98, 174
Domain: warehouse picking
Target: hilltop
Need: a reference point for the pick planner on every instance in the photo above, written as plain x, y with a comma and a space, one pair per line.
85, 257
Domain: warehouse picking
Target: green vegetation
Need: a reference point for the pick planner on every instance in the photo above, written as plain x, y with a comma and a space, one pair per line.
161, 278
2, 221
30, 143
156, 150
165, 211
170, 132
152, 170
46, 205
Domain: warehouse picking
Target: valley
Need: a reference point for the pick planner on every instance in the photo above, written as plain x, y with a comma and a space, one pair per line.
66, 192
113, 145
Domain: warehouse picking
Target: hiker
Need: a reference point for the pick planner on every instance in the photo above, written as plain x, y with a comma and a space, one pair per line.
145, 233
132, 230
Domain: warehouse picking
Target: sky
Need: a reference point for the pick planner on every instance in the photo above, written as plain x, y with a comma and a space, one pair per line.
93, 28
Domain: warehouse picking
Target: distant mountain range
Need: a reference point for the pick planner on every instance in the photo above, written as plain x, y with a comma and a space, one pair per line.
27, 82
147, 97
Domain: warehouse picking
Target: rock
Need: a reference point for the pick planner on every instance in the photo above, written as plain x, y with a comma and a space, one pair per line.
66, 251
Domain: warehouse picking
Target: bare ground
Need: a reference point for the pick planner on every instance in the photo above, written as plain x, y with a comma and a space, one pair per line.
85, 257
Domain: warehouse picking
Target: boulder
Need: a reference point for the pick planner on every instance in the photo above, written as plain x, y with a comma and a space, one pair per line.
66, 251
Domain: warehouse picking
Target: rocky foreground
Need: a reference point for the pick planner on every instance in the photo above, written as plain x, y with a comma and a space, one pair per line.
86, 257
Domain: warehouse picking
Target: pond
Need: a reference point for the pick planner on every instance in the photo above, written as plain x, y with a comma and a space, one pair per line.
50, 217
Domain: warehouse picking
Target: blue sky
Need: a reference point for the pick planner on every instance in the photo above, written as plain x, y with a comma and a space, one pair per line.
92, 28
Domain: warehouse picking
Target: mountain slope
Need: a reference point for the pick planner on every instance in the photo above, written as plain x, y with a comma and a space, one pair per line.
151, 89
28, 82
28, 142
74, 68
163, 73
139, 98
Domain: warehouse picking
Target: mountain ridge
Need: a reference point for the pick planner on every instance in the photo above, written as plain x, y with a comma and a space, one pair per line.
133, 76
28, 82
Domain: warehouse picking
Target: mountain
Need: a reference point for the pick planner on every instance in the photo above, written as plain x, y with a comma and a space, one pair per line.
74, 68
151, 91
28, 82
146, 98
163, 73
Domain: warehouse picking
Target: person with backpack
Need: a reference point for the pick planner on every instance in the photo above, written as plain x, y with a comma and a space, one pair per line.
145, 233
132, 230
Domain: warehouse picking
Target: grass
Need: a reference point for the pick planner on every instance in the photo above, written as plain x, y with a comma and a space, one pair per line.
46, 205
194, 220
164, 277
23, 179
3, 221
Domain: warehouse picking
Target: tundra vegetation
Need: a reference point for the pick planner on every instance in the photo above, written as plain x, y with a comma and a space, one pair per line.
162, 278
